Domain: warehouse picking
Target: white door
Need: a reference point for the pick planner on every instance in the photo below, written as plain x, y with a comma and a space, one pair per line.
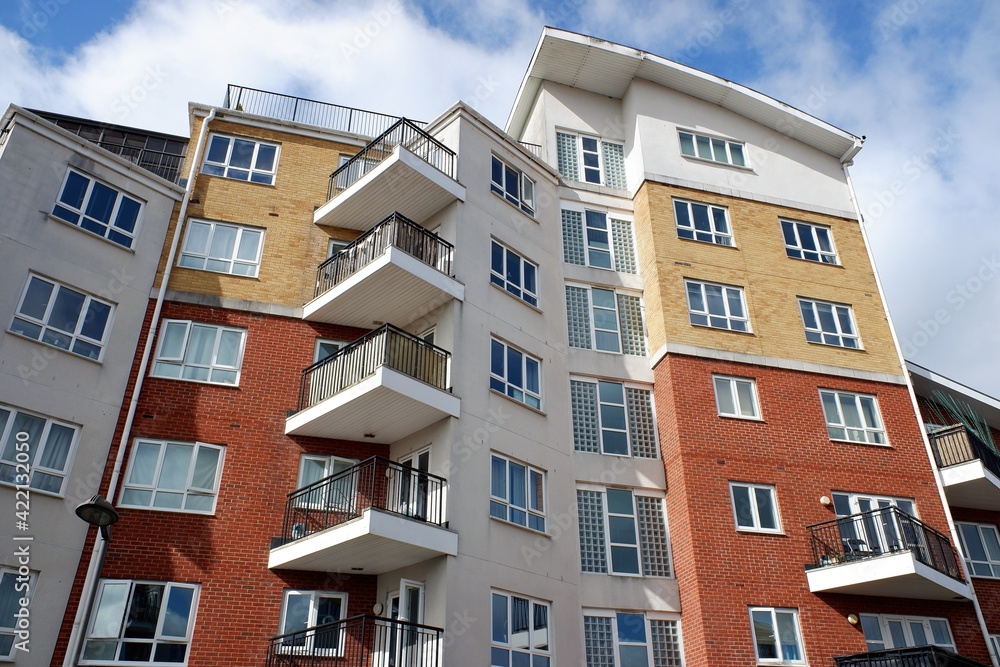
411, 487
407, 646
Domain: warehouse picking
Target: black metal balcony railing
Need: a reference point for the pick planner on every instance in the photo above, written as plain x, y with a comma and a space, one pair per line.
921, 656
879, 532
405, 133
387, 346
395, 231
375, 483
309, 112
164, 165
957, 444
358, 641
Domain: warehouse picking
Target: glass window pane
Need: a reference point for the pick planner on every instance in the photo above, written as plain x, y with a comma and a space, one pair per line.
296, 613
101, 203
223, 242
74, 190
265, 157
724, 396
765, 509
621, 530
229, 348
200, 345
217, 149
66, 310
110, 610
687, 143
500, 619
631, 628
176, 463
249, 245
613, 416
96, 320
177, 611
704, 147
518, 482
633, 656
849, 408
788, 636
992, 544
744, 511
497, 358
941, 633
144, 464
515, 371
611, 392
26, 423
128, 213
745, 392
619, 501
36, 299
56, 447
242, 153
206, 464
736, 151
498, 478
763, 632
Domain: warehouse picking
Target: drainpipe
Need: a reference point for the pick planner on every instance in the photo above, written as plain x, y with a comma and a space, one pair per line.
78, 633
923, 433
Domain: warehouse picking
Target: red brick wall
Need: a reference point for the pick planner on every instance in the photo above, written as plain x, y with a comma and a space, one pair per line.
227, 552
987, 590
722, 572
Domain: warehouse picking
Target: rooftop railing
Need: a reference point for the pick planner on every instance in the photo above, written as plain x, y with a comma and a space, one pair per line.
957, 444
921, 656
879, 532
396, 231
534, 149
164, 165
405, 133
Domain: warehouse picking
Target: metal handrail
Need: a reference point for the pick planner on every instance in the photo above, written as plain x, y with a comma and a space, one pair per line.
958, 444
165, 165
395, 231
387, 346
404, 133
358, 641
534, 149
309, 112
375, 483
920, 656
878, 532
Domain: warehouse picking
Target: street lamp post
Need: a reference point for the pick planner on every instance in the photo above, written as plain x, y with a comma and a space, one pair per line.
97, 512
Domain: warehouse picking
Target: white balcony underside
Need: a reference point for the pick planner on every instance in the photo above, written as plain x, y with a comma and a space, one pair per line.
895, 575
374, 543
396, 288
382, 408
402, 182
971, 485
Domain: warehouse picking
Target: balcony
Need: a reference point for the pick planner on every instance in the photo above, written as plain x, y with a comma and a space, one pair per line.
164, 165
375, 517
395, 272
884, 552
359, 641
970, 469
403, 169
382, 387
921, 656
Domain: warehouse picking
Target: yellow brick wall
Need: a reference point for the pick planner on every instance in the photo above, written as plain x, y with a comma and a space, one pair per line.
771, 281
293, 246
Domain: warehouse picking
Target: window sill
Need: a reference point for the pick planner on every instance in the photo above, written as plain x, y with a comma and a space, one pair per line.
90, 233
883, 445
142, 508
99, 362
517, 298
838, 265
213, 384
33, 491
711, 243
218, 273
530, 216
838, 347
237, 180
758, 531
534, 532
609, 352
517, 402
704, 160
759, 420
708, 326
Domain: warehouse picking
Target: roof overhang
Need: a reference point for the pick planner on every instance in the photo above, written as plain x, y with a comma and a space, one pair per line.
925, 381
608, 69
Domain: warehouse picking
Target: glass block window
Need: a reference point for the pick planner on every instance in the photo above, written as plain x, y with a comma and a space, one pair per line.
586, 432
612, 418
702, 222
716, 306
614, 165
630, 315
98, 208
593, 552
624, 639
624, 246
653, 536
641, 431
578, 316
572, 229
829, 324
666, 643
852, 417
591, 238
599, 641
591, 160
566, 155
611, 323
623, 533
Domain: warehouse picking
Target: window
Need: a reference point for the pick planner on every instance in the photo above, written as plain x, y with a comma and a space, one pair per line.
213, 246
517, 493
182, 476
326, 347
755, 507
995, 640
200, 352
852, 417
301, 610
511, 272
241, 159
702, 222
513, 185
716, 306
811, 242
37, 451
13, 588
736, 397
711, 148
884, 631
336, 495
829, 324
98, 208
65, 318
520, 634
981, 546
593, 238
776, 637
878, 529
141, 621
334, 246
591, 160
613, 418
515, 374
621, 639
605, 320
626, 536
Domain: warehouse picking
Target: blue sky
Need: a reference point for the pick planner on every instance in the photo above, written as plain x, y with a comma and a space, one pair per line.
919, 78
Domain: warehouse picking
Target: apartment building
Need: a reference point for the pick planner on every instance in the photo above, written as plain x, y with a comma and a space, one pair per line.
614, 385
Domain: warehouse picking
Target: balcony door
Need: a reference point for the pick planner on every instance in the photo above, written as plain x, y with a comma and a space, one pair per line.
869, 527
410, 490
886, 632
406, 646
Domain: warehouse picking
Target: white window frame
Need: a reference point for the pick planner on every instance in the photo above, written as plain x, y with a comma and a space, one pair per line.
780, 660
647, 617
600, 426
869, 433
158, 638
995, 640
334, 246
324, 497
312, 621
515, 289
581, 175
836, 338
188, 491
213, 365
71, 211
608, 216
223, 168
729, 317
509, 646
592, 316
715, 237
524, 198
532, 508
731, 384
757, 526
797, 251
24, 471
75, 336
971, 565
905, 620
327, 341
233, 260
501, 384
24, 588
638, 546
728, 148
